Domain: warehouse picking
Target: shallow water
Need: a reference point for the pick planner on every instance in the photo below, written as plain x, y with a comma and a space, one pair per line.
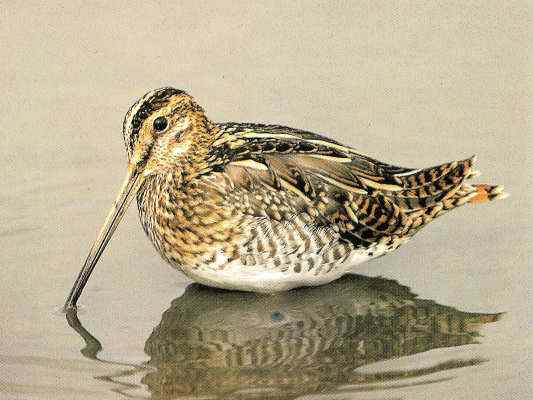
414, 86
213, 343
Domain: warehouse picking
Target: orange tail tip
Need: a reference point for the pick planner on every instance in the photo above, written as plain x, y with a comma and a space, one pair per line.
485, 193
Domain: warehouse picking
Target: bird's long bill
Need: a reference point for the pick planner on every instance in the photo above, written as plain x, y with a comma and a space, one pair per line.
123, 200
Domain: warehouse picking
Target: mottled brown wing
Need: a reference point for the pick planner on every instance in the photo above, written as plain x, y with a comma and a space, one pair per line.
322, 192
366, 200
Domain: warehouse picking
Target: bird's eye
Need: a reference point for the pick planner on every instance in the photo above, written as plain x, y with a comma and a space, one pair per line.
160, 124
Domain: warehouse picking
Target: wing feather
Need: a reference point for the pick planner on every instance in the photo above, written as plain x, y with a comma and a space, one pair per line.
366, 200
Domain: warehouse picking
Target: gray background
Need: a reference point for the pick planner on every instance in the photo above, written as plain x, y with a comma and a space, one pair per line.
415, 84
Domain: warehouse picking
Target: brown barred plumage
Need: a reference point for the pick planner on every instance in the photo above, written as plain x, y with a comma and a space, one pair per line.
265, 207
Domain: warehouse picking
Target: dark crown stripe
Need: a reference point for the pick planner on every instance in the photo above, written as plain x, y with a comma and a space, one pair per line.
159, 98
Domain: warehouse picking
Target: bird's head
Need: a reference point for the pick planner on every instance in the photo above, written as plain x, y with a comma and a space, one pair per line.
164, 130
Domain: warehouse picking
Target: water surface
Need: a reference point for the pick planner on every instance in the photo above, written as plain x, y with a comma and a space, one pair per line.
218, 344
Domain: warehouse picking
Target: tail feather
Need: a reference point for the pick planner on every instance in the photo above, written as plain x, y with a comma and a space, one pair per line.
455, 192
435, 184
422, 177
483, 193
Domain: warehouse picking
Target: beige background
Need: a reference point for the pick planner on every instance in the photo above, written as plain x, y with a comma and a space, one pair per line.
413, 83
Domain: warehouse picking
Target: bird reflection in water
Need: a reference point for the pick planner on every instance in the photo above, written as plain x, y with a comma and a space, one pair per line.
218, 344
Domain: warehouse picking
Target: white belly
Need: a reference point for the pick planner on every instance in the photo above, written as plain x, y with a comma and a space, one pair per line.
265, 279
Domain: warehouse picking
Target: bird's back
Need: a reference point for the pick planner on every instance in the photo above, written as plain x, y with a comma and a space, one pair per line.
281, 208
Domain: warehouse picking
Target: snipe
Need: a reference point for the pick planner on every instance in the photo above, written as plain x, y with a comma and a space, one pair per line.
267, 208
